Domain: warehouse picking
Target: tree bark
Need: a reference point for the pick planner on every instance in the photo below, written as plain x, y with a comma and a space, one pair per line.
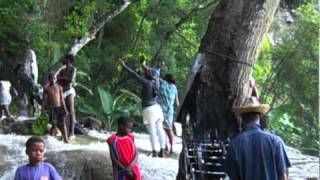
226, 55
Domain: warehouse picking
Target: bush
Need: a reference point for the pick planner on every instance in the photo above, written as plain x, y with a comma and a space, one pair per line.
40, 127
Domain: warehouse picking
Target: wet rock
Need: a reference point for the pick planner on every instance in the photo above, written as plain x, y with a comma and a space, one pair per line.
13, 125
7, 121
22, 127
2, 131
80, 129
4, 164
92, 123
81, 164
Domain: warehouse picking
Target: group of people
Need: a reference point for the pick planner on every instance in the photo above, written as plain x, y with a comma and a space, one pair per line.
158, 99
58, 99
253, 154
122, 152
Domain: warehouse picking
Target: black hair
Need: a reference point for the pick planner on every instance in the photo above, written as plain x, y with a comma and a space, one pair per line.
69, 57
249, 117
50, 75
170, 78
263, 121
33, 140
123, 121
148, 77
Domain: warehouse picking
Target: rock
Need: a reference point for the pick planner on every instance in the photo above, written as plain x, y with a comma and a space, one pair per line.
92, 123
7, 121
302, 166
22, 127
79, 129
12, 125
81, 164
4, 165
2, 131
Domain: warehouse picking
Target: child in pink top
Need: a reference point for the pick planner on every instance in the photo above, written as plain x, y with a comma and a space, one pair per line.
123, 152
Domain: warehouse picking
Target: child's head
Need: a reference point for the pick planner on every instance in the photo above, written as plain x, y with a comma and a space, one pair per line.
125, 125
169, 78
35, 150
52, 78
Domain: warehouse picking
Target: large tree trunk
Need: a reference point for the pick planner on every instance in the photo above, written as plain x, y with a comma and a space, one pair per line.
226, 57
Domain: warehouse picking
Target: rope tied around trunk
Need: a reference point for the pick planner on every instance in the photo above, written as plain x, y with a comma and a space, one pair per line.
232, 59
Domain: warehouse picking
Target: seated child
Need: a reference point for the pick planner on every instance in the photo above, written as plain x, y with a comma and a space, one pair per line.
36, 169
123, 151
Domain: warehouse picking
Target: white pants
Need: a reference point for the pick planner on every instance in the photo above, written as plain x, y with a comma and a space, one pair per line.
69, 92
155, 128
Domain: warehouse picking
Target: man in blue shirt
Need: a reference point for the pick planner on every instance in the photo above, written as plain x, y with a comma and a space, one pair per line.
256, 154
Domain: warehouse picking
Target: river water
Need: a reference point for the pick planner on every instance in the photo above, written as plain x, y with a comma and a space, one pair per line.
303, 166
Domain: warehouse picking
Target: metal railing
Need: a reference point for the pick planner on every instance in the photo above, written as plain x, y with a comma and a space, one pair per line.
205, 159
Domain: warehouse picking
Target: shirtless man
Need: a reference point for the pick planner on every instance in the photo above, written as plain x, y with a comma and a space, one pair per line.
66, 78
57, 109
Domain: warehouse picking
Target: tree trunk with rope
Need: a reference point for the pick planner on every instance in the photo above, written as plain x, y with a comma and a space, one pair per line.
219, 77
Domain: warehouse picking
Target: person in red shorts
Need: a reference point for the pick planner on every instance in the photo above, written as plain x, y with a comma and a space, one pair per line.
123, 152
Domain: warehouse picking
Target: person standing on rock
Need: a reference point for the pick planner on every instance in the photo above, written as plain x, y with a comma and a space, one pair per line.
36, 169
57, 108
123, 152
255, 153
152, 114
168, 96
66, 78
5, 98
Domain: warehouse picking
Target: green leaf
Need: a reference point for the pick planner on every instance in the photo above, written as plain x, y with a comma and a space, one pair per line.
86, 109
106, 100
78, 84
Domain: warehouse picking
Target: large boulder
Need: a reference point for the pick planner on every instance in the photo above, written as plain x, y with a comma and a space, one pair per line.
22, 127
11, 125
81, 164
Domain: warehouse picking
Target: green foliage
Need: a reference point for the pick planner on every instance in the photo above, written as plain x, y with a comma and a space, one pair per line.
77, 22
288, 74
125, 104
40, 127
281, 123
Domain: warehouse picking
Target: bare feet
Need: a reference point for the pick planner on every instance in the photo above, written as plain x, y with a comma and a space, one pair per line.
72, 137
